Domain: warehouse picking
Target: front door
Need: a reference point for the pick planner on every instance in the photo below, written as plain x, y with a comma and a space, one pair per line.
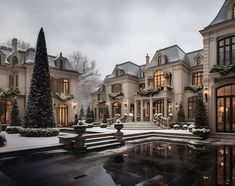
225, 107
62, 115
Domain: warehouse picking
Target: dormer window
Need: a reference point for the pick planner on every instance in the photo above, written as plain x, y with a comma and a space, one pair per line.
61, 64
198, 61
14, 60
159, 60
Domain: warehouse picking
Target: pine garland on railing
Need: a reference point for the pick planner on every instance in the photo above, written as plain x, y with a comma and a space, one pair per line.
113, 96
8, 93
222, 69
194, 89
149, 91
62, 97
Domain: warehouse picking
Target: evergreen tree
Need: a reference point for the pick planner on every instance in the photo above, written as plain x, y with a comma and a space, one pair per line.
89, 118
81, 114
15, 116
201, 119
92, 115
180, 114
39, 111
75, 119
106, 115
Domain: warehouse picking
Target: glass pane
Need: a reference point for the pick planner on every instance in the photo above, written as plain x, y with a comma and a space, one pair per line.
233, 54
227, 41
233, 39
220, 114
220, 92
221, 56
221, 43
233, 90
228, 114
227, 55
228, 90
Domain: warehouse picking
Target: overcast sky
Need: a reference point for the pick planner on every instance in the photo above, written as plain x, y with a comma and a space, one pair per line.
108, 31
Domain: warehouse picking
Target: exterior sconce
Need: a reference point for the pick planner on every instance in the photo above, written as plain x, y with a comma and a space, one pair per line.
206, 93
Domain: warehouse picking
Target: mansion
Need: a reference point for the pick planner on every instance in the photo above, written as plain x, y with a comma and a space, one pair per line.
16, 67
173, 77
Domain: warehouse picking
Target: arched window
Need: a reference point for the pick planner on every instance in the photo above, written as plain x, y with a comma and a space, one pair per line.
197, 79
198, 61
14, 60
225, 108
116, 88
192, 103
226, 51
158, 79
159, 60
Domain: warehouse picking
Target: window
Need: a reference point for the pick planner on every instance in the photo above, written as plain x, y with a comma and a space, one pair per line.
5, 109
169, 107
62, 115
198, 61
16, 80
226, 51
158, 79
197, 79
233, 16
11, 81
61, 64
158, 106
63, 86
141, 86
14, 60
192, 103
159, 60
116, 88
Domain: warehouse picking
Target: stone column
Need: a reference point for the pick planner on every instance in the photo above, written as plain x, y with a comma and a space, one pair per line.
165, 107
135, 111
141, 110
151, 110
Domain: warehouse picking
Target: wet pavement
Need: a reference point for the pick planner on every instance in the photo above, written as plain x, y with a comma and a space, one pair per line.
152, 163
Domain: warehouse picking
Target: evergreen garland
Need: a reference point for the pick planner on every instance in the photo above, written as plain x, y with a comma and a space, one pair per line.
194, 89
8, 93
222, 69
62, 97
149, 91
39, 110
15, 116
201, 119
113, 96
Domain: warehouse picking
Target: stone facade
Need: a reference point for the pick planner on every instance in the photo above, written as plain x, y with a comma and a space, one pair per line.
16, 67
172, 77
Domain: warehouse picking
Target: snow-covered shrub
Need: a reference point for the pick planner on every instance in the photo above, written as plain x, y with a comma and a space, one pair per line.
103, 125
89, 125
190, 127
2, 138
13, 129
203, 132
185, 127
39, 132
176, 126
157, 117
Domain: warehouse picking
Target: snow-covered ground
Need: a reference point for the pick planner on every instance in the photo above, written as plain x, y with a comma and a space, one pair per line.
15, 141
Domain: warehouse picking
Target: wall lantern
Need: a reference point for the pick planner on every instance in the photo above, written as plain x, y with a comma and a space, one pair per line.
206, 93
176, 105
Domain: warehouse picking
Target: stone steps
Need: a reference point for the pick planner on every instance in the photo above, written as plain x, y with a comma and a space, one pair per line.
103, 146
97, 143
95, 139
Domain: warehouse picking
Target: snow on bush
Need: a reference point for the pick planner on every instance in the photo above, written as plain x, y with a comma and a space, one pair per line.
39, 132
2, 138
13, 129
103, 125
203, 132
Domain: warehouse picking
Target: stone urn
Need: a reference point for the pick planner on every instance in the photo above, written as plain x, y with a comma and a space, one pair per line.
118, 126
80, 129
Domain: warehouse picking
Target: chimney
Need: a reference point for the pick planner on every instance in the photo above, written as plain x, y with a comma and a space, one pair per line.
14, 45
147, 59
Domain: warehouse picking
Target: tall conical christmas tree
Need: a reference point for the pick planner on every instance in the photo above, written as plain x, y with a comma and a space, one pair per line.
180, 114
201, 119
15, 116
39, 110
89, 118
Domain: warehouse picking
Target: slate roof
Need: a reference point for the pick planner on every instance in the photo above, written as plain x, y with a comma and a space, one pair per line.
128, 68
173, 53
189, 57
222, 14
30, 56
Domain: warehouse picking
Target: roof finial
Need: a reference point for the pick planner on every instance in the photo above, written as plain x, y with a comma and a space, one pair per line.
147, 58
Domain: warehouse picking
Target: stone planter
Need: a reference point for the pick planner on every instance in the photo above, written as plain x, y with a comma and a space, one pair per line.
118, 126
80, 139
79, 129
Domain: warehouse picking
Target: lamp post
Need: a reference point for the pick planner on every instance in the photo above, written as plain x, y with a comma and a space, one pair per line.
206, 93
